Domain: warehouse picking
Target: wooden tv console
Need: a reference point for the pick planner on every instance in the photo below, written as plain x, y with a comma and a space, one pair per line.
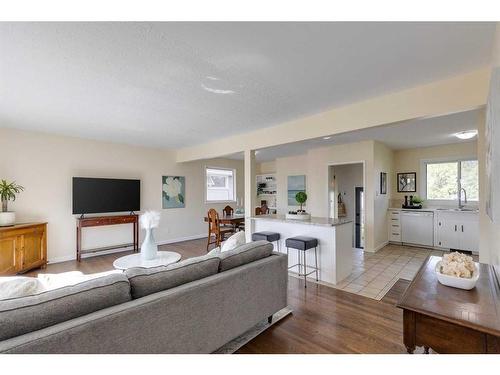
98, 221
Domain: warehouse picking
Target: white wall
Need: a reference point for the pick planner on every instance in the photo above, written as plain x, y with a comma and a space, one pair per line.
44, 165
489, 242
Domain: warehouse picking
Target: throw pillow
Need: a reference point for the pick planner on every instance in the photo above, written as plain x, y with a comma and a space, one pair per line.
51, 281
234, 241
19, 286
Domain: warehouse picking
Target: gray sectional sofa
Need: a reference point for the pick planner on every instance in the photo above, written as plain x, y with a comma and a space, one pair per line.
194, 306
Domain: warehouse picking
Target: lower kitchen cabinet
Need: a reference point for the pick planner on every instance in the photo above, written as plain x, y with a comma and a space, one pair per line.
457, 230
22, 247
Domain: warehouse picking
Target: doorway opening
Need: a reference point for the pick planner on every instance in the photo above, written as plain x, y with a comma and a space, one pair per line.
346, 197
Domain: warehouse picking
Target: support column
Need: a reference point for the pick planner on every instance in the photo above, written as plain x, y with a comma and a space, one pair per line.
250, 191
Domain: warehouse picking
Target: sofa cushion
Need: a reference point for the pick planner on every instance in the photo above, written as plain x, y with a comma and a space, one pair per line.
145, 281
244, 254
26, 314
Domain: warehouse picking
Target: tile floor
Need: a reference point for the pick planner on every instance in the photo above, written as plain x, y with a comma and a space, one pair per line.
375, 273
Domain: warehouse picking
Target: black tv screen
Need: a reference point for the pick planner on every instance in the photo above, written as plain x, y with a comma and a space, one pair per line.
100, 195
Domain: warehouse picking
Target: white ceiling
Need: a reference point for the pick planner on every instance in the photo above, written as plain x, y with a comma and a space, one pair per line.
402, 135
181, 84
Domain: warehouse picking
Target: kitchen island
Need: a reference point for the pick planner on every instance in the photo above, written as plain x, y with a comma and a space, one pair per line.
335, 252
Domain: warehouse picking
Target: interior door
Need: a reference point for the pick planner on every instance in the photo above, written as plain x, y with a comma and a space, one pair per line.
359, 218
8, 256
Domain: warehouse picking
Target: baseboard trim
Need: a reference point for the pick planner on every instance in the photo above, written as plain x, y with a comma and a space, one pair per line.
381, 246
122, 249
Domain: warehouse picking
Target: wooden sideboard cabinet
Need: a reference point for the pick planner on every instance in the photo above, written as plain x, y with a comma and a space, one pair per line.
22, 247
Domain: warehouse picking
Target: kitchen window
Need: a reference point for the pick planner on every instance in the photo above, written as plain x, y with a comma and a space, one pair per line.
220, 184
443, 180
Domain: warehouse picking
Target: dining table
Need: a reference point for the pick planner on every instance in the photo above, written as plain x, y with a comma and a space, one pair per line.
233, 220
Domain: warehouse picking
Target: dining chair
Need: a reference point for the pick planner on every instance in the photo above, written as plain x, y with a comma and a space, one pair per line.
215, 229
228, 211
261, 211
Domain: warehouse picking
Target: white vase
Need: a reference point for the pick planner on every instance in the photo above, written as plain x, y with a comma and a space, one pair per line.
7, 218
149, 248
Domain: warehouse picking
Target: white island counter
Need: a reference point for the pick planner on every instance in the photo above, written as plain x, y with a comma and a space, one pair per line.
335, 253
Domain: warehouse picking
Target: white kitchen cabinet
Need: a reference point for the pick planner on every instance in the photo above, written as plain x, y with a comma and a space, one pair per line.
457, 230
394, 226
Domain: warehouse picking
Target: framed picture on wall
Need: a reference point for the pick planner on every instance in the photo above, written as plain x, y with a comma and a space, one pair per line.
173, 192
383, 183
295, 184
407, 182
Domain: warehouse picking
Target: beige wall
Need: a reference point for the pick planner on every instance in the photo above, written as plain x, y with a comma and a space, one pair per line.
409, 160
290, 166
44, 165
266, 167
383, 161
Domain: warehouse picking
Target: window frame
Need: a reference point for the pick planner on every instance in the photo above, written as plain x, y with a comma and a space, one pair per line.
207, 201
423, 178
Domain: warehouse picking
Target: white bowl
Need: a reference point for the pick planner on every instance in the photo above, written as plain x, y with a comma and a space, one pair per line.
458, 282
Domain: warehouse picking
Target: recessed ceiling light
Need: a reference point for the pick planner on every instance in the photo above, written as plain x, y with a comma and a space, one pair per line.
466, 134
325, 138
217, 91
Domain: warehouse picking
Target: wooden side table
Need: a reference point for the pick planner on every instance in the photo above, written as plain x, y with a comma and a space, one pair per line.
97, 221
451, 320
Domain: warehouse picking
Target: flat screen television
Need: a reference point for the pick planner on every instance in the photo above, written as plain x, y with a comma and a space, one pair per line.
101, 195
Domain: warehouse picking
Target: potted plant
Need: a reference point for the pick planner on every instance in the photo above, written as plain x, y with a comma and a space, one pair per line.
417, 201
8, 191
301, 198
301, 214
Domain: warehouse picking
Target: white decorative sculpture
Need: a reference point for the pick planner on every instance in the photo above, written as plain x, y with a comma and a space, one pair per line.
149, 220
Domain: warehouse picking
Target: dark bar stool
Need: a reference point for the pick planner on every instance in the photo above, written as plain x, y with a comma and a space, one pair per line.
267, 236
303, 243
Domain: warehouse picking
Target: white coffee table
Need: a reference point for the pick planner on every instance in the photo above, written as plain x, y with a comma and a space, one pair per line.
134, 260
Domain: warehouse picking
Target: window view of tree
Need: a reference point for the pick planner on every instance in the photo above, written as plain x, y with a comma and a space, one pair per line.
470, 179
443, 180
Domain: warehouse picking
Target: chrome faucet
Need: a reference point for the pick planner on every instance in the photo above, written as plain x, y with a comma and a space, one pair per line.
460, 205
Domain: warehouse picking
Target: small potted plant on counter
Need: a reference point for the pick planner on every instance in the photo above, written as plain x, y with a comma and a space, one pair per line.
301, 198
8, 192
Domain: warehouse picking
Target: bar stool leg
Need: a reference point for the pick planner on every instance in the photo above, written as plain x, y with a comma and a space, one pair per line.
316, 262
305, 270
298, 261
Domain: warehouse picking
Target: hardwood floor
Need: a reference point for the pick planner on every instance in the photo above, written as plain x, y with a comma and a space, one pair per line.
324, 319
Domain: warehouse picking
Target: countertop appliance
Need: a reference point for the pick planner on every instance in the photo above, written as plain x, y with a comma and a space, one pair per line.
417, 228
